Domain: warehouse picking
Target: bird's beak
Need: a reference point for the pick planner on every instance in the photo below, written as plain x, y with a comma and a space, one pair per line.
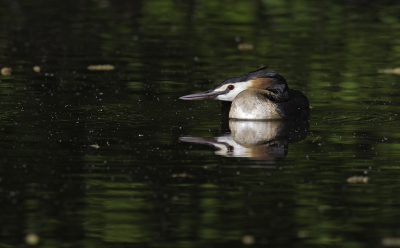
209, 94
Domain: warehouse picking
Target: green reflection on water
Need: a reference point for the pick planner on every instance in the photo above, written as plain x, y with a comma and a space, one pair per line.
141, 186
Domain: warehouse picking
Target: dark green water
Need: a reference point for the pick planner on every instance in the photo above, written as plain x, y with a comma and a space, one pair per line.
102, 158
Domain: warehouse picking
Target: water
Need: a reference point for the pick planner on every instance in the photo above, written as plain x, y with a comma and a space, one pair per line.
97, 150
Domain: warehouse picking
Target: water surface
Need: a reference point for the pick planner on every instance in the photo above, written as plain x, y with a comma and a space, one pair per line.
97, 150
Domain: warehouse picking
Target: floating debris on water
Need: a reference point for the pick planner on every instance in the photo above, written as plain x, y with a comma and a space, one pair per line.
357, 179
248, 240
36, 68
391, 71
181, 175
6, 71
101, 67
32, 239
303, 234
95, 146
244, 46
391, 241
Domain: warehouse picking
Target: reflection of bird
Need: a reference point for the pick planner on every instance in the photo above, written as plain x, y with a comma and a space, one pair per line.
258, 95
256, 139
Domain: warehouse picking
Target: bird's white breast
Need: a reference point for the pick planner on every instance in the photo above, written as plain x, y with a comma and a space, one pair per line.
252, 105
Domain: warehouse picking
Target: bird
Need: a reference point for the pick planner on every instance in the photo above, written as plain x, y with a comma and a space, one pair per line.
262, 94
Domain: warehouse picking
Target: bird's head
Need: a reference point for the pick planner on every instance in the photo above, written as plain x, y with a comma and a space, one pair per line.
265, 79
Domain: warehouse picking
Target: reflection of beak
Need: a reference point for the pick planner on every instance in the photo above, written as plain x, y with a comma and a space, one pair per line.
209, 94
199, 140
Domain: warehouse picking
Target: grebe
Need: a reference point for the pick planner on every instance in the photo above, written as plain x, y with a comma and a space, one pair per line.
258, 95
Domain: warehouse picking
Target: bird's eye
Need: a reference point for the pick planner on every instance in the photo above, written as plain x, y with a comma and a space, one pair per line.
231, 87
